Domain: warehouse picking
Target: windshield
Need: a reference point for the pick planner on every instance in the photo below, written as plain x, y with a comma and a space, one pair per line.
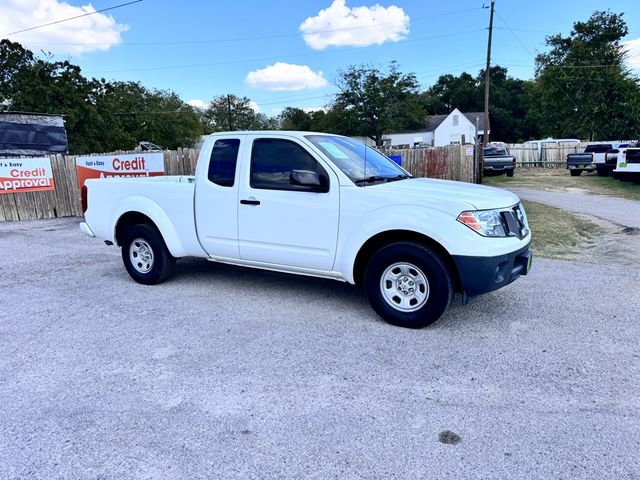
361, 163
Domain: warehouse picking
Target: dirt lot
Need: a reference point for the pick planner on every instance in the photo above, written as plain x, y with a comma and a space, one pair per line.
231, 373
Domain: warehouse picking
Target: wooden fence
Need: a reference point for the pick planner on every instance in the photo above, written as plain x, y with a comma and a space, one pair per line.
454, 162
449, 163
549, 155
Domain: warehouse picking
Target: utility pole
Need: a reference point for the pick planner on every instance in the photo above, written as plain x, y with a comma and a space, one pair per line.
476, 153
487, 77
229, 122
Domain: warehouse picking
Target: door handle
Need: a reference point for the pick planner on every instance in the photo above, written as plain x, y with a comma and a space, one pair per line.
250, 201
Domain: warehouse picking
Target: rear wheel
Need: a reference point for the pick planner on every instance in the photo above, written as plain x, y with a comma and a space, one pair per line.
145, 255
601, 172
575, 173
408, 284
510, 172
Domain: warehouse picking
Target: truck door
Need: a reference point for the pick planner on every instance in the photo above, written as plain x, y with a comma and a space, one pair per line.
279, 221
216, 199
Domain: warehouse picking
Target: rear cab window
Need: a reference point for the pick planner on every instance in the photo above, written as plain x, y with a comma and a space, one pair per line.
598, 148
223, 162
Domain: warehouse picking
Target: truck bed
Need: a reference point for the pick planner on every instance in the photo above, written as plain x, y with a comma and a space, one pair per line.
169, 199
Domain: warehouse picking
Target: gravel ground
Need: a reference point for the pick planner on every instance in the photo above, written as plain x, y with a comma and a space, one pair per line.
224, 372
621, 211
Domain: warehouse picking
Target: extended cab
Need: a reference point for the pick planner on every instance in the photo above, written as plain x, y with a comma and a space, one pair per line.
320, 205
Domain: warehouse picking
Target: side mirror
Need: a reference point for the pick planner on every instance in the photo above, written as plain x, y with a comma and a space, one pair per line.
309, 179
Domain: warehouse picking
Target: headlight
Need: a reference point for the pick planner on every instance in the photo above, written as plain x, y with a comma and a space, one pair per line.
486, 222
497, 223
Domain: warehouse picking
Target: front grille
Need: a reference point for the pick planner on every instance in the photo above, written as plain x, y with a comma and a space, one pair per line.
514, 222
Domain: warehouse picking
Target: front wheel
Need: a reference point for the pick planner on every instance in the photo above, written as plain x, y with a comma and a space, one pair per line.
145, 255
408, 285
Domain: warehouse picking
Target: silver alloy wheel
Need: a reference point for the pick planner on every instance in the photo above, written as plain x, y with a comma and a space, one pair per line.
141, 255
404, 287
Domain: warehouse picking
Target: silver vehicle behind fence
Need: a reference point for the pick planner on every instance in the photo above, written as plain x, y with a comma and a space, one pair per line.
498, 160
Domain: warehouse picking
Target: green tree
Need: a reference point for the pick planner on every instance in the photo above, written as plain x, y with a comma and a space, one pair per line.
583, 87
509, 102
381, 102
292, 118
229, 112
449, 92
99, 116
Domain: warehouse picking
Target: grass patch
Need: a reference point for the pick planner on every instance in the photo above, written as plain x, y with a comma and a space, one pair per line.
557, 233
559, 179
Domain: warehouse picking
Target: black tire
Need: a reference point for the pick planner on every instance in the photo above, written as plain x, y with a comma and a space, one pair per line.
162, 262
575, 173
429, 264
601, 172
510, 172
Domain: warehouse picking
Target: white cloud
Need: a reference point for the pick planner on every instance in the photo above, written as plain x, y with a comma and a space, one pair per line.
254, 106
97, 32
284, 76
633, 53
197, 103
340, 25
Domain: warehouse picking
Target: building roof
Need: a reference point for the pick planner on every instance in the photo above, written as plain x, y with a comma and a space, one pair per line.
472, 118
433, 121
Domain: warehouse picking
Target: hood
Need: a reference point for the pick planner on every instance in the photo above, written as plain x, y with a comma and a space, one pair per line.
479, 197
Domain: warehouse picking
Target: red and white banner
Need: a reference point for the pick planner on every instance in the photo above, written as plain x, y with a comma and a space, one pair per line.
25, 175
129, 165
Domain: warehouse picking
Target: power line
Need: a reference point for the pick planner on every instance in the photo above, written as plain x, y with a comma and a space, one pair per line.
71, 18
264, 37
575, 105
233, 62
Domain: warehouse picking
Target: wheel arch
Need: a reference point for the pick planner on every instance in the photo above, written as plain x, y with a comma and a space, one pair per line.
382, 239
129, 219
154, 216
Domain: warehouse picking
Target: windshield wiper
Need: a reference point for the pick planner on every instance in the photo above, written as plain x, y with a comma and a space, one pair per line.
380, 178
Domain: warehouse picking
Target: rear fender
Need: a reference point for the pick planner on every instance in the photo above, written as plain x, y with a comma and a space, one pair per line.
159, 217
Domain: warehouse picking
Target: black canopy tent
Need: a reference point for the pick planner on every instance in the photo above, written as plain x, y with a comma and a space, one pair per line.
24, 134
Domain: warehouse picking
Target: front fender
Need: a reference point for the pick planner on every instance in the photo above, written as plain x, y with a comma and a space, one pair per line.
157, 214
431, 223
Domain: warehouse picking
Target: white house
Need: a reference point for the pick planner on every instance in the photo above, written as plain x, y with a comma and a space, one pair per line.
456, 128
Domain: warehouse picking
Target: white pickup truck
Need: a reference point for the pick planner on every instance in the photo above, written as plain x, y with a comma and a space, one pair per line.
320, 205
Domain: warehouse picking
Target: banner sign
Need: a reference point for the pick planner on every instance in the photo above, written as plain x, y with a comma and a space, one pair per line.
25, 175
128, 165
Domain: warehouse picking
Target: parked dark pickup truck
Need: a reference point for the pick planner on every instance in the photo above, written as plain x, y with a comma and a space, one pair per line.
498, 160
586, 161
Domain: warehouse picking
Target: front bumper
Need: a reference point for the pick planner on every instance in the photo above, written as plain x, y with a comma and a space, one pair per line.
480, 275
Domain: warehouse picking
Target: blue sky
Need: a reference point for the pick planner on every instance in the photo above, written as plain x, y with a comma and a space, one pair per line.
200, 49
